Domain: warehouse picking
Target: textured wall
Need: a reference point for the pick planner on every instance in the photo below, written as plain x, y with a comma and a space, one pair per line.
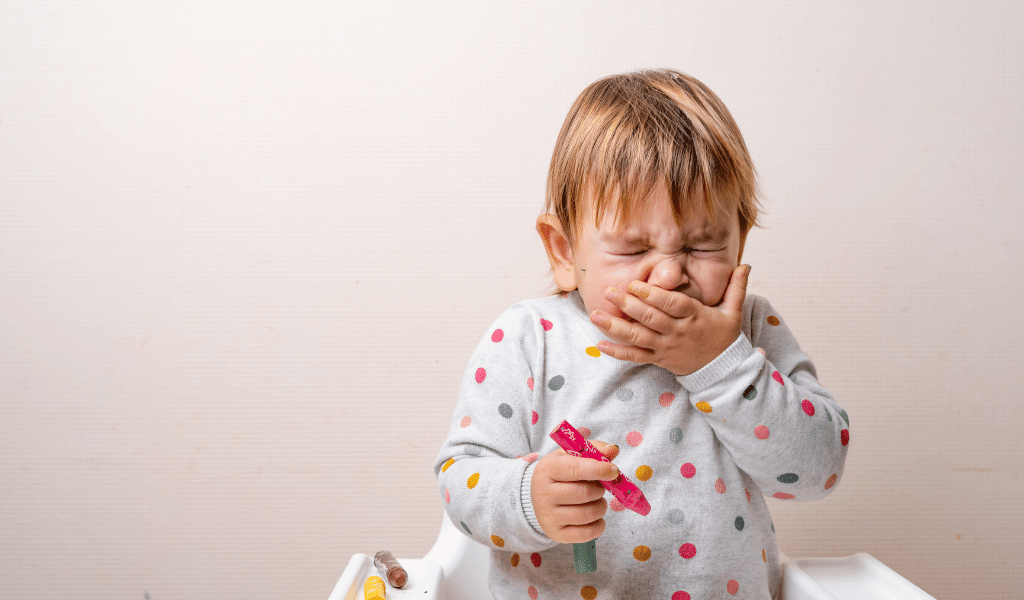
247, 247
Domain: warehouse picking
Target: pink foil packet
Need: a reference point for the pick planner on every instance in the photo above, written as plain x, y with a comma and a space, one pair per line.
624, 490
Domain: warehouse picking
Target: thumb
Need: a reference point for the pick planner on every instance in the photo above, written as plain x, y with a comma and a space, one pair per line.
736, 293
609, 451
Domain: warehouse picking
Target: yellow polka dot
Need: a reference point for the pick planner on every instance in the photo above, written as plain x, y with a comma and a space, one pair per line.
643, 472
473, 480
515, 560
451, 461
593, 351
773, 321
588, 592
641, 553
497, 541
763, 556
703, 407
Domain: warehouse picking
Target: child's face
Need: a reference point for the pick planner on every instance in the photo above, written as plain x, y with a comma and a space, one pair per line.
696, 257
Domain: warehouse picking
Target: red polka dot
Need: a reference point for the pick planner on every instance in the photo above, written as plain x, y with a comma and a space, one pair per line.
761, 432
497, 335
844, 436
748, 494
777, 377
687, 551
831, 481
633, 438
535, 418
784, 496
547, 325
666, 399
584, 432
733, 586
529, 383
481, 374
808, 407
680, 595
535, 559
466, 421
720, 486
688, 470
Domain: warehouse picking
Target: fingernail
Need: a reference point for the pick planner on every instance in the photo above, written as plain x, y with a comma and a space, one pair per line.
639, 292
599, 319
614, 295
748, 269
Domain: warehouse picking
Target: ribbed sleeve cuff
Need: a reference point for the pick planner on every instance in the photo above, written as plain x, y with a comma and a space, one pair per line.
526, 498
716, 370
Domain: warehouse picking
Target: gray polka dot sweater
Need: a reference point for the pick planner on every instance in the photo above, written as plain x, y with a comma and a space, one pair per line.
705, 449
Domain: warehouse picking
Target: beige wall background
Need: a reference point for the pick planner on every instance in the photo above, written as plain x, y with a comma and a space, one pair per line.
247, 247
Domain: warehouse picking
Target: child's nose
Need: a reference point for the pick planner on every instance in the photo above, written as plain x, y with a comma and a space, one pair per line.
668, 274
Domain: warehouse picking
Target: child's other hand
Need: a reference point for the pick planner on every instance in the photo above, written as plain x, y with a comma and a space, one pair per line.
567, 498
671, 329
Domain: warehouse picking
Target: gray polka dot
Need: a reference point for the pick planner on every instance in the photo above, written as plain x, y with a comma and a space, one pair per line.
624, 394
556, 383
505, 410
676, 435
676, 516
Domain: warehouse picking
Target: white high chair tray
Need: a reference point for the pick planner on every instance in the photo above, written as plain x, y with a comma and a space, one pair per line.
456, 569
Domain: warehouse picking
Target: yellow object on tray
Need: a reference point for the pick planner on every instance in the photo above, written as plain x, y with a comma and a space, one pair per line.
373, 589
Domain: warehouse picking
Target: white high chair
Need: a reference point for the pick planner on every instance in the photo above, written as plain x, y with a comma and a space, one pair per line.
456, 569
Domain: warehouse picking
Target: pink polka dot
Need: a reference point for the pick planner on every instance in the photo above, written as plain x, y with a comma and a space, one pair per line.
584, 432
783, 496
466, 421
532, 592
535, 418
761, 351
680, 595
777, 377
666, 399
529, 383
844, 436
808, 407
761, 432
531, 457
633, 438
733, 586
447, 496
497, 335
688, 470
615, 505
748, 494
719, 486
547, 325
687, 551
481, 374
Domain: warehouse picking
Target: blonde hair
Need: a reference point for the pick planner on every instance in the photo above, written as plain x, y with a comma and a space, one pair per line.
627, 133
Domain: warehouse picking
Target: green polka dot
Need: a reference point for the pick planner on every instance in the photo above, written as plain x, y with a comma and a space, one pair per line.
676, 435
466, 527
750, 393
739, 523
788, 478
828, 414
845, 416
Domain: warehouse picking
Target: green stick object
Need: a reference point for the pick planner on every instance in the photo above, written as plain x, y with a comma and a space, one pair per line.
584, 556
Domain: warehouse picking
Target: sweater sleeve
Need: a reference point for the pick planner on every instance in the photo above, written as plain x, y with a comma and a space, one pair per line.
763, 401
485, 465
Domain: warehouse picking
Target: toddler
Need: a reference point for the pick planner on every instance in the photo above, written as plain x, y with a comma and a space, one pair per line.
698, 391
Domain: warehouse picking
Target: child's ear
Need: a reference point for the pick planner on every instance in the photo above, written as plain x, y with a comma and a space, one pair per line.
556, 244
